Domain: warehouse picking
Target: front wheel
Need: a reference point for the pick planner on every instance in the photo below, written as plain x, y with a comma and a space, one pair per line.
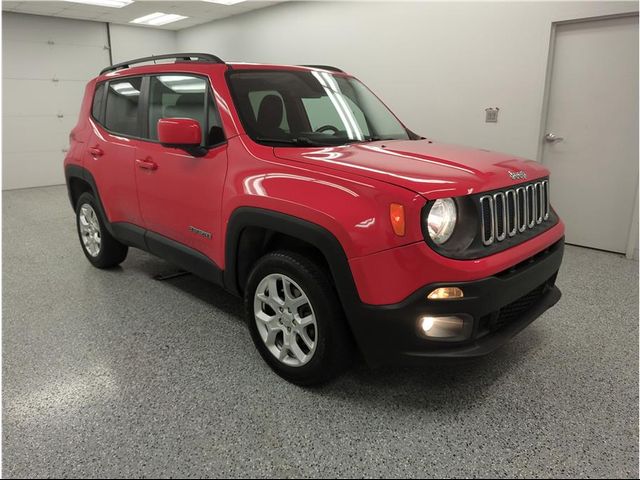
296, 320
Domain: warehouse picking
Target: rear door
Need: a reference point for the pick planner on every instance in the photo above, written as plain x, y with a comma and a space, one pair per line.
180, 196
111, 149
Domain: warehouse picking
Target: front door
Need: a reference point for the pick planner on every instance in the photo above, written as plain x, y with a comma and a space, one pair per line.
180, 195
591, 138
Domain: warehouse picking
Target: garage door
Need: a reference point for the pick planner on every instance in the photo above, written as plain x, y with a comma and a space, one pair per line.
46, 64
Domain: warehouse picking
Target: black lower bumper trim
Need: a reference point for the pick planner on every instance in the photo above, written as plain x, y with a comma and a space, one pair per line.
495, 340
500, 306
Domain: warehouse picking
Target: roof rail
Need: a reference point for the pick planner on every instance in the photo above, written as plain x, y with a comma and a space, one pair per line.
324, 67
179, 57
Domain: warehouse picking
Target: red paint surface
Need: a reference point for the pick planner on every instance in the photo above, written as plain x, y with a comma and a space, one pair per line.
346, 189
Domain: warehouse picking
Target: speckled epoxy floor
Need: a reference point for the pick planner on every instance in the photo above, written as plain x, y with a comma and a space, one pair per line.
112, 373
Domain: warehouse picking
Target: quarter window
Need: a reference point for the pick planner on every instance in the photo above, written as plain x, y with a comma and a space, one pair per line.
98, 102
122, 112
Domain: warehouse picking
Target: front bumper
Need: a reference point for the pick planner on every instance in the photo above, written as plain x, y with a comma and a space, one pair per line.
500, 306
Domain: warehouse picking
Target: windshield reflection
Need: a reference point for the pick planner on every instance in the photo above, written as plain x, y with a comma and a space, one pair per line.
310, 108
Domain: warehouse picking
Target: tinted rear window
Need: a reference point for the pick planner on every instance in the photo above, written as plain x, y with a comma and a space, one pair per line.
123, 98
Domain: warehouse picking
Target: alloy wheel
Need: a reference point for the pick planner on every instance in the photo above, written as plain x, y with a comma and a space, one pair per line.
89, 229
285, 320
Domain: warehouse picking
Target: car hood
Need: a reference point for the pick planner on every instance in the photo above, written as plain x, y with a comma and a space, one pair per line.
431, 169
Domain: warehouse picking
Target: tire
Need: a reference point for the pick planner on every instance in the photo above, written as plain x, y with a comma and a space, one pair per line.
98, 245
332, 349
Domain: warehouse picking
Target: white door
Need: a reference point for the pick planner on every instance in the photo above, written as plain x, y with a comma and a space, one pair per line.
590, 142
46, 63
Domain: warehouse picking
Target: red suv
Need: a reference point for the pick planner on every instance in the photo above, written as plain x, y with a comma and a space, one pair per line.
296, 188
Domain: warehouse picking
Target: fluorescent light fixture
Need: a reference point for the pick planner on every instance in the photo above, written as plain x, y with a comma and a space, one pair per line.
104, 3
158, 18
224, 2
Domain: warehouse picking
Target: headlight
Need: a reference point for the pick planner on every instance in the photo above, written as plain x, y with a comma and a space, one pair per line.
442, 220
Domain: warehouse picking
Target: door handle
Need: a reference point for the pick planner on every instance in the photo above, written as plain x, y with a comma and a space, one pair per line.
147, 164
552, 137
96, 151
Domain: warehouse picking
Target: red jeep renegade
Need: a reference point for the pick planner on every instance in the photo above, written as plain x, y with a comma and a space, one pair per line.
296, 188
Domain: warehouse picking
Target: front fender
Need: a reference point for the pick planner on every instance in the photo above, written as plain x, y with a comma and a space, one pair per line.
354, 209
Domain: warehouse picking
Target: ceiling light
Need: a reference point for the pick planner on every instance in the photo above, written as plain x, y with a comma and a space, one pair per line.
224, 2
158, 18
104, 3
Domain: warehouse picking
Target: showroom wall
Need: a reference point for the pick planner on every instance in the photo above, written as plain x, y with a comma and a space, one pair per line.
135, 42
439, 79
46, 64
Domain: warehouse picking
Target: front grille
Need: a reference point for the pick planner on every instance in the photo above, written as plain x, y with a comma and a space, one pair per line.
510, 212
514, 310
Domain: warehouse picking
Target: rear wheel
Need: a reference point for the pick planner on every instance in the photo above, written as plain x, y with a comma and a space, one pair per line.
98, 245
296, 320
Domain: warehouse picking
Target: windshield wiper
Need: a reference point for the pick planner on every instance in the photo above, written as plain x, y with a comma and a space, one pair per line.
303, 141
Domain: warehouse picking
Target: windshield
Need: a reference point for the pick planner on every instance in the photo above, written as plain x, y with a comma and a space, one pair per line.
299, 108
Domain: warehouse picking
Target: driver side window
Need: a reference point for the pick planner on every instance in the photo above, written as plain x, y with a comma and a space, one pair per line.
183, 96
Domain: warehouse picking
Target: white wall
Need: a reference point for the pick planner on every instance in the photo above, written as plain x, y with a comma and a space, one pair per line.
135, 42
438, 65
46, 63
37, 112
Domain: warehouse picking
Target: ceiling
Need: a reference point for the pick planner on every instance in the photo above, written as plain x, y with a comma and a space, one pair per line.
197, 11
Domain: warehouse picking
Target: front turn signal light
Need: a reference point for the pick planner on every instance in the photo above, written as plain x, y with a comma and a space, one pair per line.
396, 214
445, 293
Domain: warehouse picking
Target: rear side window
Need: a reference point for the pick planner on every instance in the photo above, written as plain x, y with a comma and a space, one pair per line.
122, 112
98, 102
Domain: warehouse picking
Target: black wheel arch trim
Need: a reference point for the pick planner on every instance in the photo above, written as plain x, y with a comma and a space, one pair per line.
76, 171
312, 233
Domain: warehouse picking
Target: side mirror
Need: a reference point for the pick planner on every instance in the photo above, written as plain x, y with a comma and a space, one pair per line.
184, 133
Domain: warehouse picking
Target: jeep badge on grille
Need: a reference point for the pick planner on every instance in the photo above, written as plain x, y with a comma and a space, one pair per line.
519, 175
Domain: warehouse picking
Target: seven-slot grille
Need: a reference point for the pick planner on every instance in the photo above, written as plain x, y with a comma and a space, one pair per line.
509, 212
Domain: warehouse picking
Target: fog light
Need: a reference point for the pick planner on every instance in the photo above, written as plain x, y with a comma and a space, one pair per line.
446, 327
426, 323
445, 293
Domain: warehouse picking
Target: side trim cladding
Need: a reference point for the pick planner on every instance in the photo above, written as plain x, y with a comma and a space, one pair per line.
183, 256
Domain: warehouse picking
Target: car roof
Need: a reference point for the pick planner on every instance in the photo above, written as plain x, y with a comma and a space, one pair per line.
195, 63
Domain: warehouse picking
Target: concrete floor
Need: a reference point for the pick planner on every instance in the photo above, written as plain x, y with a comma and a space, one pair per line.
112, 373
